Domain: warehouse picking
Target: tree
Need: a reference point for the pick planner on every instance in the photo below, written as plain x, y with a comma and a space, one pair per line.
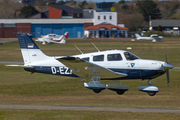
159, 28
129, 15
41, 2
121, 2
60, 2
148, 8
70, 3
27, 11
9, 8
83, 5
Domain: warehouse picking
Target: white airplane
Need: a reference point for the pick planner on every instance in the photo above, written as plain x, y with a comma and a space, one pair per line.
153, 37
114, 65
53, 38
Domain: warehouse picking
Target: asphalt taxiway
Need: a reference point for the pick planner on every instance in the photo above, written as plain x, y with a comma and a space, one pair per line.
90, 108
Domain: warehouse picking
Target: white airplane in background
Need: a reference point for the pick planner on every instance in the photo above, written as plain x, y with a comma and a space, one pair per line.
114, 65
153, 37
53, 38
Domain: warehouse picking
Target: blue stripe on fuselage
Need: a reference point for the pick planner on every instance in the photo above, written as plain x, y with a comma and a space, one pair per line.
61, 70
139, 73
131, 73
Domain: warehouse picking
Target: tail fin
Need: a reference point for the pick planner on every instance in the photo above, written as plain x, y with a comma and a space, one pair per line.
137, 35
63, 41
30, 51
66, 35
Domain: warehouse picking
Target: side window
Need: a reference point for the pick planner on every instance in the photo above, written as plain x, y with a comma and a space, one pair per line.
86, 58
130, 56
114, 57
98, 58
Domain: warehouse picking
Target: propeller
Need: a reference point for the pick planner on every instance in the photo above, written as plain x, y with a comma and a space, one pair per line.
167, 71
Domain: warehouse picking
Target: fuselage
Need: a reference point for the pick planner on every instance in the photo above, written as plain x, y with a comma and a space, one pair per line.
115, 60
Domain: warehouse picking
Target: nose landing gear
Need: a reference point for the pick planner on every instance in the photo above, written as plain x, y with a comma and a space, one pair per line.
150, 89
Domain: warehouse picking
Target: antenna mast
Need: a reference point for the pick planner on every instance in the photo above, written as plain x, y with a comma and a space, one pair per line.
79, 50
96, 47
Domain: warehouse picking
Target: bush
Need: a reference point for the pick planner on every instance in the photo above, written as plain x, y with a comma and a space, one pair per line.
159, 33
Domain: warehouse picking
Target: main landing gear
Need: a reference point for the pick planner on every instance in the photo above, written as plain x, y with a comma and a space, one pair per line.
116, 86
150, 89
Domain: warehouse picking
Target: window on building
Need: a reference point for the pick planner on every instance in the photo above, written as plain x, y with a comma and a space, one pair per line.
98, 17
98, 58
9, 25
78, 15
110, 17
104, 17
114, 57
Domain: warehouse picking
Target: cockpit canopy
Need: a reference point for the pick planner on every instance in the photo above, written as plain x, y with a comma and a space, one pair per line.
130, 56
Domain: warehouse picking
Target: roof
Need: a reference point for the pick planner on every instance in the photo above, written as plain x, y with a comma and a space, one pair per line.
105, 25
67, 8
173, 23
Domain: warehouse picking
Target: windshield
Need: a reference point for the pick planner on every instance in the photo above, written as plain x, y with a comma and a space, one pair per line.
130, 56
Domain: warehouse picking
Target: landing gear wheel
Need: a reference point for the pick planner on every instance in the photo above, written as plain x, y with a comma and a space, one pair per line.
97, 90
151, 93
120, 92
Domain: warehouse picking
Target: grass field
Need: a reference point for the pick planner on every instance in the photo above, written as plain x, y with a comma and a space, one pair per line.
20, 87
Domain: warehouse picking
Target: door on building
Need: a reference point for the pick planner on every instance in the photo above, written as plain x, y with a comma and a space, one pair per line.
107, 34
79, 34
102, 34
114, 33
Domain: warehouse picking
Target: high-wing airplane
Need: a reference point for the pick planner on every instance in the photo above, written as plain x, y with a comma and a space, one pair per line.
114, 65
53, 38
153, 37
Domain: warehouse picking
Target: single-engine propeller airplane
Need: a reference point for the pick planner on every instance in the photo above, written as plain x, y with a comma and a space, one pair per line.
153, 37
112, 65
53, 38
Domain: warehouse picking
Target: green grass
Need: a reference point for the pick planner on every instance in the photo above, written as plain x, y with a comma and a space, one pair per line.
20, 87
82, 115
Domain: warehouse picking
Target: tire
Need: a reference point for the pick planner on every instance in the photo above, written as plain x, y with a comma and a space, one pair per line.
151, 93
97, 90
120, 92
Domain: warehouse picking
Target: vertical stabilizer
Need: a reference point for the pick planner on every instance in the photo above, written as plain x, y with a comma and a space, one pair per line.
66, 35
30, 51
137, 35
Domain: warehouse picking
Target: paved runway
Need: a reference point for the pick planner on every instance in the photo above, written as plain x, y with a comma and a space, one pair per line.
89, 108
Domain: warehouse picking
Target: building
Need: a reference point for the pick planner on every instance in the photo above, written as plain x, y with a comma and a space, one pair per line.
63, 11
105, 22
104, 6
75, 27
106, 30
60, 19
167, 26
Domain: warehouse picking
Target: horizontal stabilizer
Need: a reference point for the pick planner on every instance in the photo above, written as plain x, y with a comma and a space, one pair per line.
24, 66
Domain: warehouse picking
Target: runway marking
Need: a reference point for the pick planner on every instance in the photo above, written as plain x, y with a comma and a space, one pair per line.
90, 108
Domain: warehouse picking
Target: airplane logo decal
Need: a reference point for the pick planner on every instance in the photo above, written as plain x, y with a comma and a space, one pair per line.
132, 64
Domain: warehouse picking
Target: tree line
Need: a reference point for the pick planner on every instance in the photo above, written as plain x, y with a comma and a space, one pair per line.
134, 14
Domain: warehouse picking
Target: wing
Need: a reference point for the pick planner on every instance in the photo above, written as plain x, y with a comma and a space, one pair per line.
85, 69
